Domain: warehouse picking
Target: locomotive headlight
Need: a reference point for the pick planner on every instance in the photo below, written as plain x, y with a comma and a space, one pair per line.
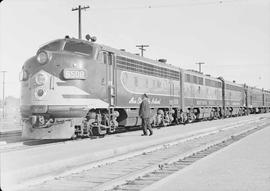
40, 93
40, 79
42, 57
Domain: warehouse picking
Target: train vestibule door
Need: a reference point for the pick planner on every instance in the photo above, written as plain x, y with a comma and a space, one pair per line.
110, 78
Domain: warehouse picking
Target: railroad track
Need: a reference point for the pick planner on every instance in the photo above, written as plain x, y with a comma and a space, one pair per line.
12, 140
19, 144
10, 137
10, 134
137, 171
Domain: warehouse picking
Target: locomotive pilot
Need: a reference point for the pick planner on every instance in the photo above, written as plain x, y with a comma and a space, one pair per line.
144, 113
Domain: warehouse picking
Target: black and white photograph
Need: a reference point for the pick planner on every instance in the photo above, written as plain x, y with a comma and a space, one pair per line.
134, 95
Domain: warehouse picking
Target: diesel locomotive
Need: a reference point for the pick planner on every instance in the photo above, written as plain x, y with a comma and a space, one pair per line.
75, 87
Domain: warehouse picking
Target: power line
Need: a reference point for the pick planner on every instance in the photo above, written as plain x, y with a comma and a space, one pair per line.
141, 47
79, 8
175, 5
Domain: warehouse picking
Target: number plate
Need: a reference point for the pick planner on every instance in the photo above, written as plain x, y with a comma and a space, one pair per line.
72, 74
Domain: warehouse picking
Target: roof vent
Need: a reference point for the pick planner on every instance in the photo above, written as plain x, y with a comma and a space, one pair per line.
233, 81
162, 60
122, 50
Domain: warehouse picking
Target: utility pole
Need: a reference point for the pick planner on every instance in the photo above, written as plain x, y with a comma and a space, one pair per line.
79, 8
141, 47
3, 99
200, 66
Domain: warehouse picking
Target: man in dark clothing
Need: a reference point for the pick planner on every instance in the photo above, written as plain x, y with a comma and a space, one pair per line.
144, 113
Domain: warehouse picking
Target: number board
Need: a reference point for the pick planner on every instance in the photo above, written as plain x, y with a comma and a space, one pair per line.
74, 74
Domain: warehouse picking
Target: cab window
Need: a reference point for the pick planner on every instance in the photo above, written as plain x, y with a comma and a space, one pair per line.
78, 47
53, 46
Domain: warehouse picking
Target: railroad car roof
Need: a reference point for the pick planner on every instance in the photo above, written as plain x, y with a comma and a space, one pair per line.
255, 89
200, 74
234, 83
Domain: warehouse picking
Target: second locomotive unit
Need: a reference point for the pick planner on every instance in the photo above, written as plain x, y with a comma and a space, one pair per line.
77, 87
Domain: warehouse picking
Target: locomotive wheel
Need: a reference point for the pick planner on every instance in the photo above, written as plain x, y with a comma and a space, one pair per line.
74, 137
189, 120
97, 131
111, 130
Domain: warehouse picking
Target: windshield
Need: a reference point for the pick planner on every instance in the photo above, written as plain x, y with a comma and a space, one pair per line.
53, 46
78, 47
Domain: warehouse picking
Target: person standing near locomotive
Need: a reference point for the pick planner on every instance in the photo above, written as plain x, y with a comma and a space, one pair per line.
144, 113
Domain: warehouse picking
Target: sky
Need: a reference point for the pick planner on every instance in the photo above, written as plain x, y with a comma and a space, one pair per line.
232, 37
